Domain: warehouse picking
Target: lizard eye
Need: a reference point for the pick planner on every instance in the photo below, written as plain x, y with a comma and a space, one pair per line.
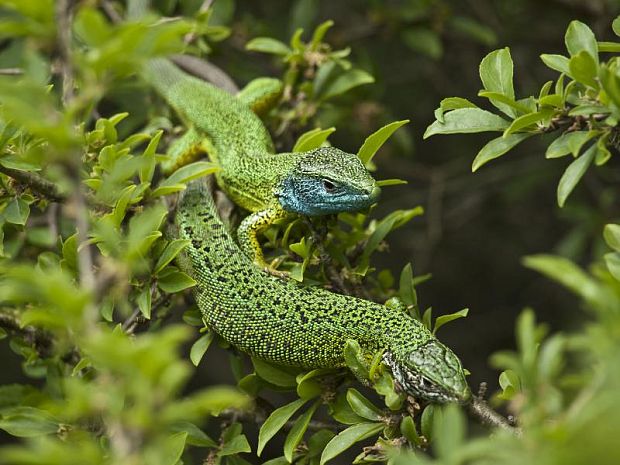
329, 186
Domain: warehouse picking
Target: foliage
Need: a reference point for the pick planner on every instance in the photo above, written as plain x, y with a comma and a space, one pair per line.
583, 105
88, 279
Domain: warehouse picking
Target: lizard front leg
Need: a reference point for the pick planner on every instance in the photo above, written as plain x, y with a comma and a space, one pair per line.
184, 150
247, 234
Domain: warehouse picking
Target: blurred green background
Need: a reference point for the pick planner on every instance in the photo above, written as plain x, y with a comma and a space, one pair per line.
477, 226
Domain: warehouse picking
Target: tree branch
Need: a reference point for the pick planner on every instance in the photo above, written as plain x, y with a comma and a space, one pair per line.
206, 71
63, 20
480, 409
35, 182
41, 341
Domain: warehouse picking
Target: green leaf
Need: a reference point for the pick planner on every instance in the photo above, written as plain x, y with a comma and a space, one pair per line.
474, 30
319, 34
391, 182
611, 233
505, 102
496, 148
574, 173
406, 288
451, 103
602, 152
427, 420
467, 120
611, 83
236, 445
298, 430
584, 69
177, 180
174, 281
148, 156
172, 448
556, 62
308, 386
612, 260
276, 420
496, 73
274, 374
610, 47
374, 142
443, 319
346, 81
615, 25
17, 211
553, 100
510, 383
391, 222
580, 37
195, 436
144, 302
120, 208
409, 431
448, 432
528, 120
172, 249
564, 272
354, 358
199, 348
423, 40
312, 139
570, 142
362, 406
268, 45
347, 438
27, 422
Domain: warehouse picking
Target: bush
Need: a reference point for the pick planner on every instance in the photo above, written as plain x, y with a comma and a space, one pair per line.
91, 298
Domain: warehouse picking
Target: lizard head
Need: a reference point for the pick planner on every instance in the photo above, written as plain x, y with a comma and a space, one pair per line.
431, 372
325, 181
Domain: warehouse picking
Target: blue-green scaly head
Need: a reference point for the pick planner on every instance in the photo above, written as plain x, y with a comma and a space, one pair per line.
431, 372
325, 181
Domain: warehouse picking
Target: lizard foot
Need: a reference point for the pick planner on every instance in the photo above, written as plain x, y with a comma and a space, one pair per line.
274, 272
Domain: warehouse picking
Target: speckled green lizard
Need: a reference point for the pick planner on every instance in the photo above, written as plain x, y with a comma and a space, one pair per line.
271, 186
284, 322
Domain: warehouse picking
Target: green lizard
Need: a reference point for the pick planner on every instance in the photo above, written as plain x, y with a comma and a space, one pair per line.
271, 186
284, 322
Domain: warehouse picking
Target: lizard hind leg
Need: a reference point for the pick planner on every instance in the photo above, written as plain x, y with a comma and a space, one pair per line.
247, 235
261, 94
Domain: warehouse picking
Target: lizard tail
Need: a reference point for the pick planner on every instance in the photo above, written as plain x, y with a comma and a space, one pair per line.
162, 75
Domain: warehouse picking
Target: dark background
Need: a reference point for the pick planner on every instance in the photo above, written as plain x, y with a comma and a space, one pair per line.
477, 227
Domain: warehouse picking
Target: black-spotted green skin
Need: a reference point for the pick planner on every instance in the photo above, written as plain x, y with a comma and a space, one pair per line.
284, 322
271, 186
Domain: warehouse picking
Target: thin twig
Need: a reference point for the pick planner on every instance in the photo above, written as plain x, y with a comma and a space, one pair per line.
40, 340
11, 71
109, 10
35, 182
131, 323
191, 36
479, 408
206, 71
63, 20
